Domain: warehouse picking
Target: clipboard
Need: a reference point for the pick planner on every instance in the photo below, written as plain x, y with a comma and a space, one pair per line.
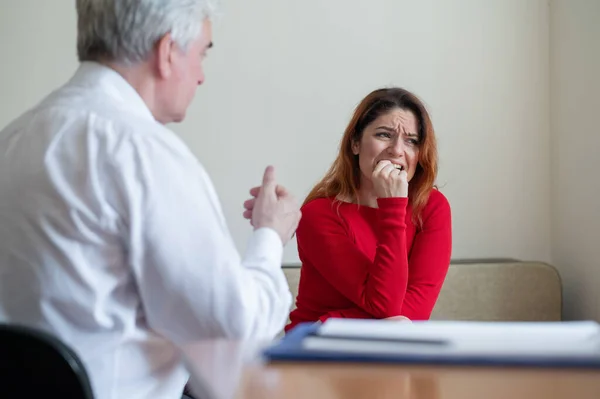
578, 347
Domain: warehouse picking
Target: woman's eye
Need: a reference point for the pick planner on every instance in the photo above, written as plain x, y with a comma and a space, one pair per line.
382, 134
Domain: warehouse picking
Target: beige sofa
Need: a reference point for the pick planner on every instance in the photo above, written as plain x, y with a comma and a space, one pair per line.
490, 290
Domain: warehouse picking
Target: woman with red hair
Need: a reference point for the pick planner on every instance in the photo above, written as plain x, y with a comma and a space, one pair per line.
375, 236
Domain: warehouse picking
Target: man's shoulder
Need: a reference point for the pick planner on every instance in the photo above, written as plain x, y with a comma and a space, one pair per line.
105, 119
96, 106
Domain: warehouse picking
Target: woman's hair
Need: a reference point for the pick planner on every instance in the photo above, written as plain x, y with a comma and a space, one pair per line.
126, 30
343, 178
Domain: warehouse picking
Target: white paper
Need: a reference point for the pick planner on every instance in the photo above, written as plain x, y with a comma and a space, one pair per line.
464, 338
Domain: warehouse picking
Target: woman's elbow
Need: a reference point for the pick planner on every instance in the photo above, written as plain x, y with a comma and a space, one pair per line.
384, 311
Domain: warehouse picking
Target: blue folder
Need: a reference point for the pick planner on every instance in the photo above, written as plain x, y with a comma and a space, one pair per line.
290, 349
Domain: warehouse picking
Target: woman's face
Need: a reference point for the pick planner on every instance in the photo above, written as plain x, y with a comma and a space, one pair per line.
392, 136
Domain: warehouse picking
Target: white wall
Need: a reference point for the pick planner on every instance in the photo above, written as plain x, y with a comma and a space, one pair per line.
575, 93
37, 40
284, 77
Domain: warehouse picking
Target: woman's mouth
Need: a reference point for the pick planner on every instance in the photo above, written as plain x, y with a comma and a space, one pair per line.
395, 165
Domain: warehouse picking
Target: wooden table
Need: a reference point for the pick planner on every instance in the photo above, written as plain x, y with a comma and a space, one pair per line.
226, 370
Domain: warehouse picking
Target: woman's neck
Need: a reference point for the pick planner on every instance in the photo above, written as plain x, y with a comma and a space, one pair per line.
366, 194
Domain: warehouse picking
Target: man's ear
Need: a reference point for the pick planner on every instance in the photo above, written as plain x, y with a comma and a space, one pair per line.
164, 56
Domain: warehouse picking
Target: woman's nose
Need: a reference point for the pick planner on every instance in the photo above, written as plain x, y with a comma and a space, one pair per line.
396, 148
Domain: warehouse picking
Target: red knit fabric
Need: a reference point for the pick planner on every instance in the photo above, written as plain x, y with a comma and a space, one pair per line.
363, 262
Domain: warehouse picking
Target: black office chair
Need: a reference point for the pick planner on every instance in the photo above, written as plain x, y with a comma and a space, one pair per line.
34, 364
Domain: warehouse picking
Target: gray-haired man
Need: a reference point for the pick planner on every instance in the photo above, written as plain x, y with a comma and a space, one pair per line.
111, 234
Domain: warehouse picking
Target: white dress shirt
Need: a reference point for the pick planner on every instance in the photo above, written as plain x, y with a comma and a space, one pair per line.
113, 239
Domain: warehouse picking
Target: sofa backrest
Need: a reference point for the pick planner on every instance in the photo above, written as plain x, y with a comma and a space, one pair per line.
490, 290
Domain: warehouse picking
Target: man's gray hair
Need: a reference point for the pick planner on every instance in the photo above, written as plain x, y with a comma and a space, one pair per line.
127, 30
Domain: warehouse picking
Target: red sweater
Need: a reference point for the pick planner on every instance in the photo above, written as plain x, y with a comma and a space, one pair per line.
363, 262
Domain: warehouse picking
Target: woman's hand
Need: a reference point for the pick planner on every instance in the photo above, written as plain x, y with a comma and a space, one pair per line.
389, 181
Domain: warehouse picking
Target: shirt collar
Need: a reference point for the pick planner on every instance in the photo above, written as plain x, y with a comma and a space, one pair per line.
98, 76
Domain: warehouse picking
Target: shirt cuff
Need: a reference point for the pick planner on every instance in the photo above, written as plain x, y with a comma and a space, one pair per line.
265, 244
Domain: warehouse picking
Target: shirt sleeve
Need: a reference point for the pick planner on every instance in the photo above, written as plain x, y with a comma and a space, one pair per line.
429, 259
376, 287
192, 282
